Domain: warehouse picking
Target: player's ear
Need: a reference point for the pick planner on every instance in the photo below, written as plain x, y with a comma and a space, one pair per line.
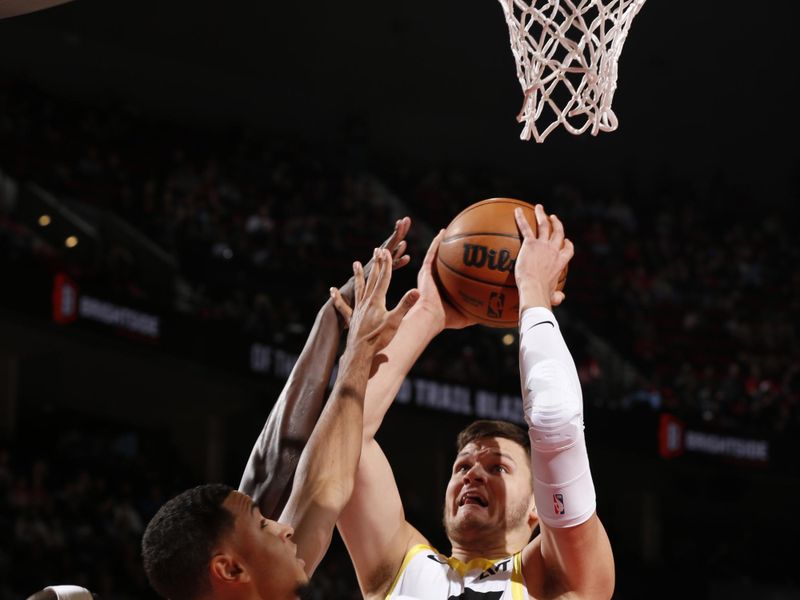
533, 516
226, 568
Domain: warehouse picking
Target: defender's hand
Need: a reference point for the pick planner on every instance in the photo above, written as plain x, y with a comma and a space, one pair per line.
396, 244
370, 323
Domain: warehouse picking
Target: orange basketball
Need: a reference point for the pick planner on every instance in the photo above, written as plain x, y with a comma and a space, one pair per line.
475, 263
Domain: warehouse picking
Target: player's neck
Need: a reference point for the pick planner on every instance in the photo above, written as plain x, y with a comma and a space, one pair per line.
467, 550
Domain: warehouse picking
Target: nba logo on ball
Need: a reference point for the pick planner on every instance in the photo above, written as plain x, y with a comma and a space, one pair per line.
558, 503
494, 308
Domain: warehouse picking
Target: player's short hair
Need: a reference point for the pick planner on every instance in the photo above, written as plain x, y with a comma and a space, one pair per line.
489, 428
178, 542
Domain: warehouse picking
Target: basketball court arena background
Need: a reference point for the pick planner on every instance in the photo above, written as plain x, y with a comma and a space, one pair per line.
218, 165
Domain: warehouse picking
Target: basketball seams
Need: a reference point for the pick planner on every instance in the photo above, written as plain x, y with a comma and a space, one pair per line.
495, 201
460, 236
509, 202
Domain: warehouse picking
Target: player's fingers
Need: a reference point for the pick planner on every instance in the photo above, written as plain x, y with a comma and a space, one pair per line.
341, 306
405, 225
568, 249
432, 249
378, 267
358, 276
542, 223
408, 300
522, 223
401, 227
399, 263
382, 282
392, 239
558, 230
399, 250
557, 298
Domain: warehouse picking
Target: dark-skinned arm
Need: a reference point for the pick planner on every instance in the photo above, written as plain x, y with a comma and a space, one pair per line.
269, 472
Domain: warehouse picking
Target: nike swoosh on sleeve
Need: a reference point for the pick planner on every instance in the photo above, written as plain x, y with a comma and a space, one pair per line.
542, 323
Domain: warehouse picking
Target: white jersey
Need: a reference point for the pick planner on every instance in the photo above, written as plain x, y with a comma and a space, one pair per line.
427, 575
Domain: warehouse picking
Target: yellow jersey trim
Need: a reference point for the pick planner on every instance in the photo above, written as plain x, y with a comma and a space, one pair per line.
475, 563
517, 580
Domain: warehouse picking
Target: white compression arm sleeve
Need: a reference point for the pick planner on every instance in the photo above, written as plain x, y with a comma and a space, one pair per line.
553, 404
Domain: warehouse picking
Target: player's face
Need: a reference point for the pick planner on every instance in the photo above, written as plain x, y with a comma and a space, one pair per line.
266, 550
489, 490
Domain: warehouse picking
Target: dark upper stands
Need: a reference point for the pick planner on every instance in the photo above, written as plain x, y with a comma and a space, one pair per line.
701, 298
673, 278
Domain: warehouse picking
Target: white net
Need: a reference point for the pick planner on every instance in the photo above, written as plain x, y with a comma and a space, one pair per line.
567, 54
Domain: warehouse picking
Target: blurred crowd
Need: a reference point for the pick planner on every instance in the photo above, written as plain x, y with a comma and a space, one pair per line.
700, 296
676, 300
257, 225
699, 299
75, 496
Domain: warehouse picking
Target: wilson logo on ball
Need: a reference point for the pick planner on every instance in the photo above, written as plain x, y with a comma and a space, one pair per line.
476, 255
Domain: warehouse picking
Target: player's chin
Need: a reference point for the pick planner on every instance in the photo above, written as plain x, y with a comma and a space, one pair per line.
459, 520
471, 518
302, 576
473, 512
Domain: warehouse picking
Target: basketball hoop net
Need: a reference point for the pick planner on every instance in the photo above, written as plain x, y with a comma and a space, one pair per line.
567, 54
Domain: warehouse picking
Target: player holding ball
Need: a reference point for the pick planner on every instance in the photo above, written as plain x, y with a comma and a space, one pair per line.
505, 481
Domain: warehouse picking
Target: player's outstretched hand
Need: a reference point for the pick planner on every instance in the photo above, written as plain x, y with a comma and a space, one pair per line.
396, 244
542, 258
370, 322
430, 296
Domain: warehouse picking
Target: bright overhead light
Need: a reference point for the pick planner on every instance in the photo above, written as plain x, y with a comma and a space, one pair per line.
44, 220
71, 241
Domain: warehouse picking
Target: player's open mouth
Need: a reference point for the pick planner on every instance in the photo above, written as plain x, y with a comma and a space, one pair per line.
472, 498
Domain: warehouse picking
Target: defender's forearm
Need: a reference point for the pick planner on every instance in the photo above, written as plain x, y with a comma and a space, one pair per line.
328, 466
326, 472
268, 475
